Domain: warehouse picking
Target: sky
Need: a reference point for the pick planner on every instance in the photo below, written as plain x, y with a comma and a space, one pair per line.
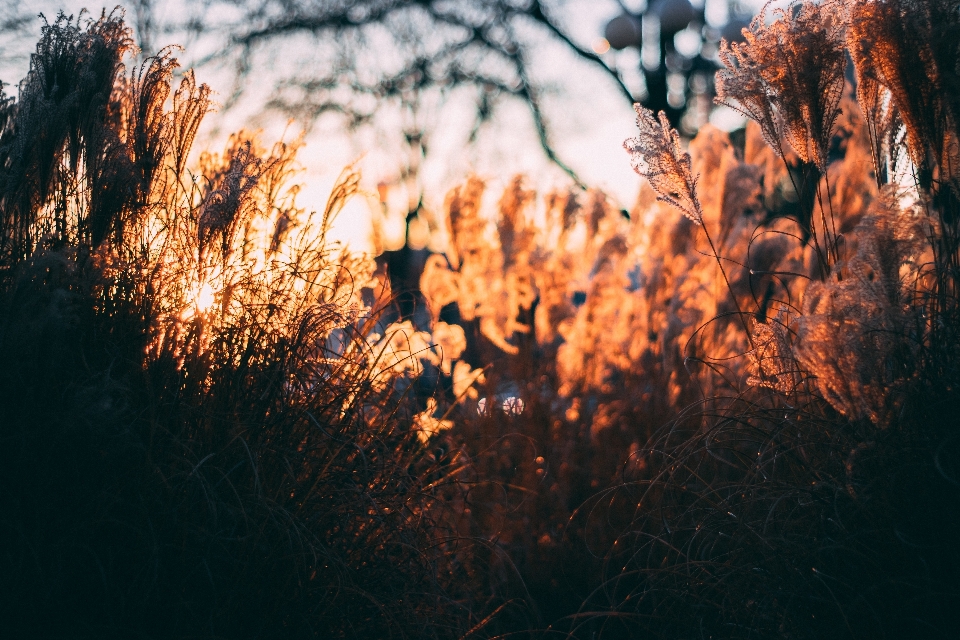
588, 118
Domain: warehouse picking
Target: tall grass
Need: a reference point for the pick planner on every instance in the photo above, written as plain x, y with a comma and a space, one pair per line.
201, 436
821, 499
738, 422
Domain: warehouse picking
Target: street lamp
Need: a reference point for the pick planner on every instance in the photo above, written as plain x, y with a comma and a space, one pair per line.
678, 44
623, 31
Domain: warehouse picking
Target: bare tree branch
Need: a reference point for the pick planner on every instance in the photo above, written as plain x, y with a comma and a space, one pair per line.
536, 12
454, 43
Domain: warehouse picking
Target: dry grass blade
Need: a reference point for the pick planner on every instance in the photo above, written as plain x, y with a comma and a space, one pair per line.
908, 49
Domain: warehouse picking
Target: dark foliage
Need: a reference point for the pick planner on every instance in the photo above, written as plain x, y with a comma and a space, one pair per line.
173, 470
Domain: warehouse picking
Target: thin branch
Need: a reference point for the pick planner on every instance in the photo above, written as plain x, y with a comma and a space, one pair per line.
536, 12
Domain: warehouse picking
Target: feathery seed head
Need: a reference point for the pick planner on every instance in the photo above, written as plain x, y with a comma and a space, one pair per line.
788, 75
656, 154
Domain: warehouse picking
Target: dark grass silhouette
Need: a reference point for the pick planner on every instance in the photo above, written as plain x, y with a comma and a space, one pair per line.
177, 466
749, 438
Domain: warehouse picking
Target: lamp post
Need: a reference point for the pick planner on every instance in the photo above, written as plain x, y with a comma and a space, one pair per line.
678, 45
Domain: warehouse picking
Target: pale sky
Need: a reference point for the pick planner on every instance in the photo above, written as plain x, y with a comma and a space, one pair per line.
588, 119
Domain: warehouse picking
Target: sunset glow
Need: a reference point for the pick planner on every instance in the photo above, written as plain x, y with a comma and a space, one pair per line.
493, 319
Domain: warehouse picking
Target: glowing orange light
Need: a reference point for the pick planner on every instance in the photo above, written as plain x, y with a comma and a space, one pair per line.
205, 298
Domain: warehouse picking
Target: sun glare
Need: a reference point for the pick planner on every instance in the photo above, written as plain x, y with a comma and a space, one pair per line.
205, 298
199, 300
